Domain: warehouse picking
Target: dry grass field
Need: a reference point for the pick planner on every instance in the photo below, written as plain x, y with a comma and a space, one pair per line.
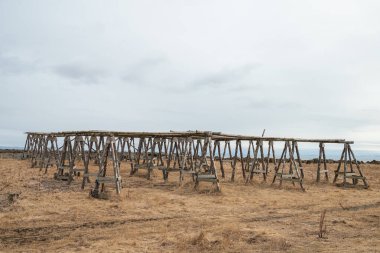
149, 216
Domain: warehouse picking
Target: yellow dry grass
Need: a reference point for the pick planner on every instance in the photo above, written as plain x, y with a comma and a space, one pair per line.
150, 216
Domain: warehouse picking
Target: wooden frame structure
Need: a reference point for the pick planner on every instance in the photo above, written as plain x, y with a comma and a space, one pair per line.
195, 153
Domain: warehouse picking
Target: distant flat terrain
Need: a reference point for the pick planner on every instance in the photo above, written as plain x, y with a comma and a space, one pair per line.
39, 214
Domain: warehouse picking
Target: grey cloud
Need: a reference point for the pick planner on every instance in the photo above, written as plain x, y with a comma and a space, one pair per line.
14, 65
245, 87
268, 104
140, 72
224, 76
227, 80
79, 73
151, 73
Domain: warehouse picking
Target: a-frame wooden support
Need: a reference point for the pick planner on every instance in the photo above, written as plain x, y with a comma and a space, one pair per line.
204, 171
28, 146
238, 149
250, 155
33, 151
349, 173
63, 170
120, 147
293, 173
135, 165
131, 153
227, 156
145, 158
270, 151
258, 166
93, 150
220, 158
51, 153
109, 152
79, 156
173, 158
185, 158
38, 151
197, 148
298, 160
322, 160
158, 160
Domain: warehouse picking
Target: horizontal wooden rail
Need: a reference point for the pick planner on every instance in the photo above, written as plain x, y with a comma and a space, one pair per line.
193, 134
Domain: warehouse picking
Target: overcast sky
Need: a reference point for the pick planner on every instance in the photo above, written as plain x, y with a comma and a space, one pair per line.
296, 68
